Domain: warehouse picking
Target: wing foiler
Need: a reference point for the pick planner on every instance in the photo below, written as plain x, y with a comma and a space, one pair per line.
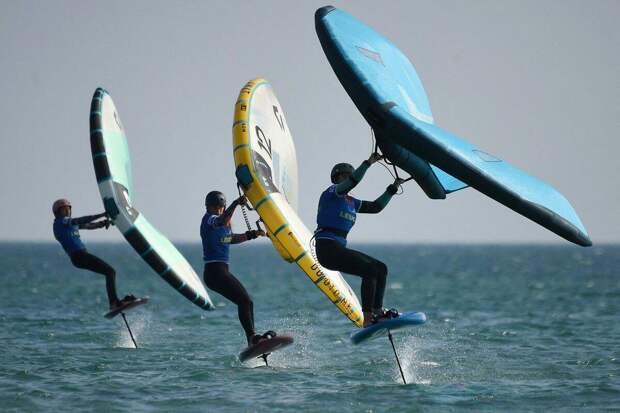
387, 91
113, 171
266, 168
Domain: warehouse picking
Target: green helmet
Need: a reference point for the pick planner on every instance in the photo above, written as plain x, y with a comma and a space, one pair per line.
341, 168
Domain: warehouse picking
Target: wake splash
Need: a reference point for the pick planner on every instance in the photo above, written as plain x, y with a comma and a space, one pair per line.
411, 359
298, 355
139, 323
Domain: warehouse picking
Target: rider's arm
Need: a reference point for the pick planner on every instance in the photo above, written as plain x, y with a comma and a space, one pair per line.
239, 238
226, 216
351, 182
95, 225
376, 206
86, 219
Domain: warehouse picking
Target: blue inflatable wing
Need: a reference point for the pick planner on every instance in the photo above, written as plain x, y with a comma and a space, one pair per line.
386, 89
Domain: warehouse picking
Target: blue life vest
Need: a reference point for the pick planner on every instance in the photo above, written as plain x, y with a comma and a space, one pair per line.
68, 234
338, 212
215, 240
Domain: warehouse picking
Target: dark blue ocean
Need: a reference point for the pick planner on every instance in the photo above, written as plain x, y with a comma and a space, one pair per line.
511, 328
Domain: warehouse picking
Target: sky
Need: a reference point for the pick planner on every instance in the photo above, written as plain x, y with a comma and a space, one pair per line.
535, 83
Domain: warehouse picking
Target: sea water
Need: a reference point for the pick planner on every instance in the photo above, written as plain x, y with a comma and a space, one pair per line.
510, 328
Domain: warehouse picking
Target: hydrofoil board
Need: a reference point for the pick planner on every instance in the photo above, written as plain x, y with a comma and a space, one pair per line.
265, 347
126, 306
382, 328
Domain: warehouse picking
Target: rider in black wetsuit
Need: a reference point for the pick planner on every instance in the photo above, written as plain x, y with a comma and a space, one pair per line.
66, 231
336, 216
216, 234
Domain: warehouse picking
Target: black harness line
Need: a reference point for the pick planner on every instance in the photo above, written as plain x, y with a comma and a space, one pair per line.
388, 163
245, 214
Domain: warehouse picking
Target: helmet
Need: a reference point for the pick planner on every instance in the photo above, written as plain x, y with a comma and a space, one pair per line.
341, 168
59, 203
216, 199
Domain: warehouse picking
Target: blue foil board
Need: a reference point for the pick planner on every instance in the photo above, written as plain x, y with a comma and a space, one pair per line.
380, 329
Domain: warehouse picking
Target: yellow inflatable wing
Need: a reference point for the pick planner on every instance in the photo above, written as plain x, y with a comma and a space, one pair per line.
266, 168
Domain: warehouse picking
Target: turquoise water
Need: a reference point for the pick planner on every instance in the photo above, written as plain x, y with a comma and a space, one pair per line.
511, 328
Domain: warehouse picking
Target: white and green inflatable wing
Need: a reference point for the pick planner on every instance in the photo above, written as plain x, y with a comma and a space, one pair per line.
113, 170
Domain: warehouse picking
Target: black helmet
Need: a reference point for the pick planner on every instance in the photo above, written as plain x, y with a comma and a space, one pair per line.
216, 199
341, 168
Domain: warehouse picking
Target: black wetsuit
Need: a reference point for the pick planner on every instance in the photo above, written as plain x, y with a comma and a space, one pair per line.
66, 231
219, 279
84, 260
334, 256
336, 216
216, 237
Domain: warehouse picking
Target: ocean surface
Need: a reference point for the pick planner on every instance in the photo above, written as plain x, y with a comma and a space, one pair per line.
510, 328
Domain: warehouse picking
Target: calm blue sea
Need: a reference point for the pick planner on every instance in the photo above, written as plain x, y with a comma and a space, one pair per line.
511, 328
